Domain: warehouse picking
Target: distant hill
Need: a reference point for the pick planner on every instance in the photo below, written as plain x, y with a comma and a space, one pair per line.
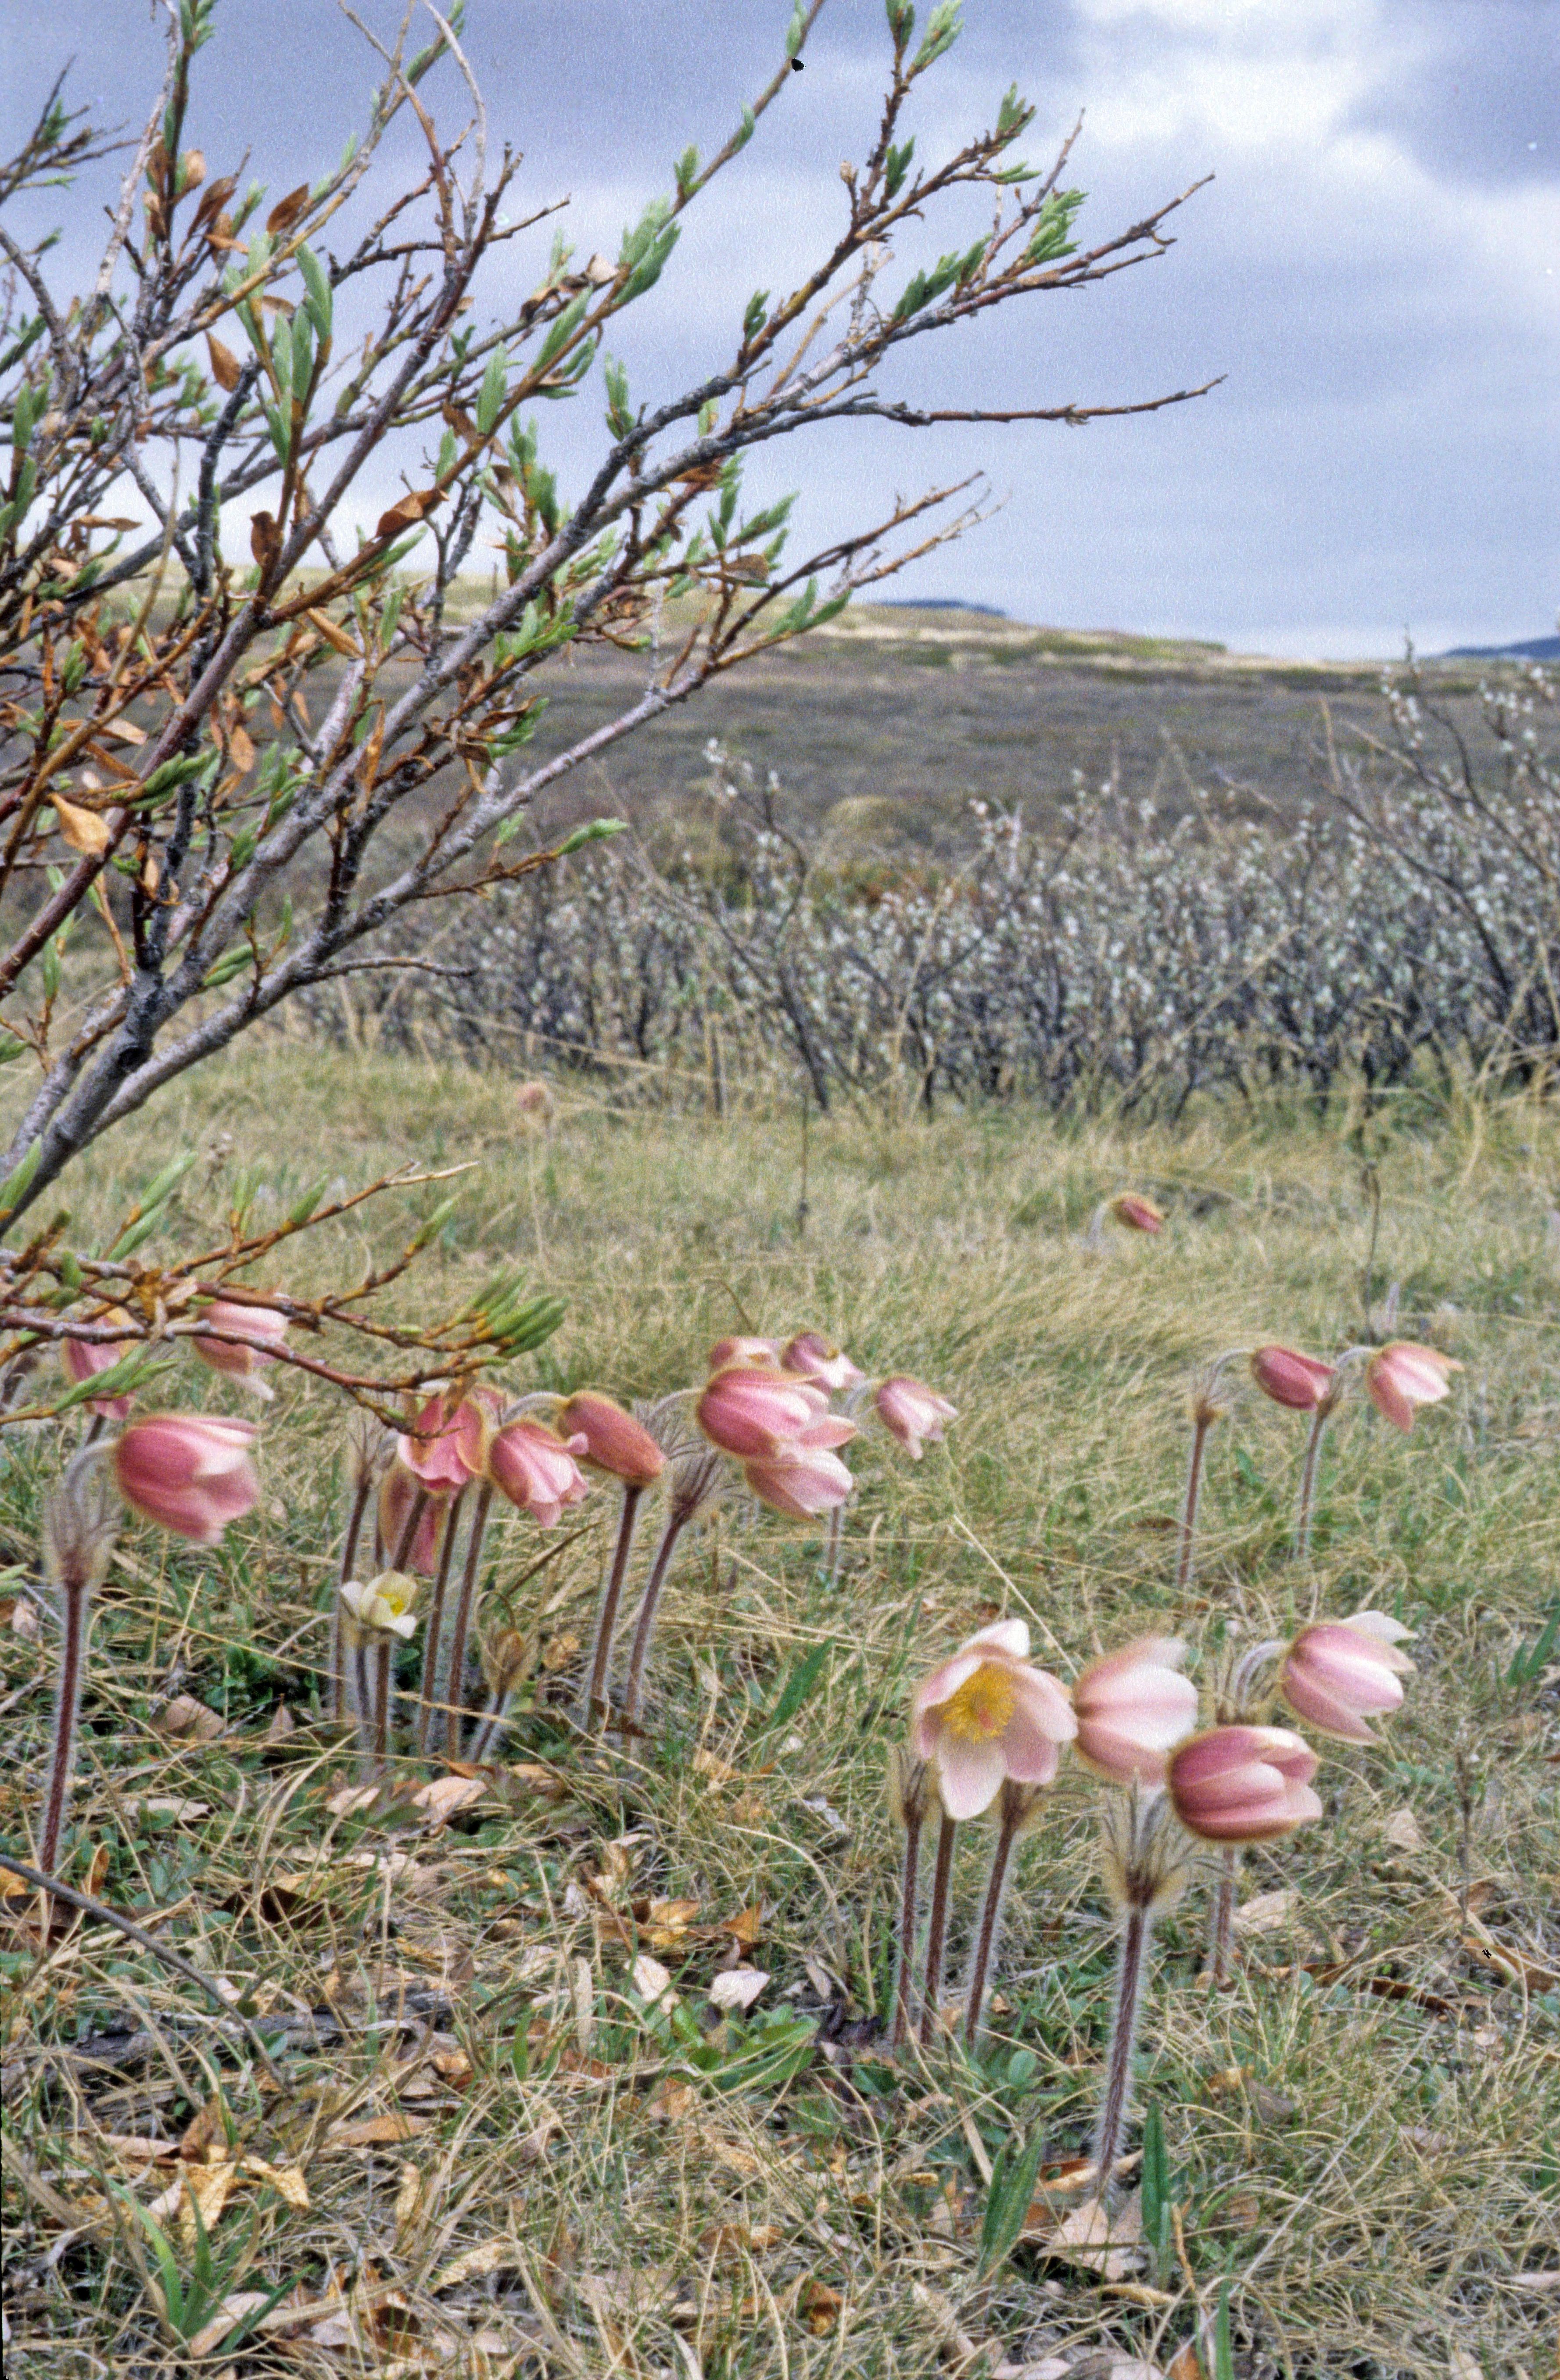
937, 603
1533, 648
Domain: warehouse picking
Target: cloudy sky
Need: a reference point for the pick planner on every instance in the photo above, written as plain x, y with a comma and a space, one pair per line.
1375, 268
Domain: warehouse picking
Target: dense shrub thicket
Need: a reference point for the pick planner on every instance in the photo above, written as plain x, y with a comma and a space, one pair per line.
1405, 914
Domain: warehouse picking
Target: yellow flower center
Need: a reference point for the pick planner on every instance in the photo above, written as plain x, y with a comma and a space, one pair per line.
982, 1707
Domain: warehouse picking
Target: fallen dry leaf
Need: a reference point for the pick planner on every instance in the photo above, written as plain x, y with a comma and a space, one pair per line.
1187, 2363
188, 1721
442, 1796
375, 2132
818, 2305
736, 1989
1090, 2238
652, 1980
744, 1928
409, 2205
211, 2334
351, 1799
475, 2264
1514, 1966
22, 1618
1267, 1913
1402, 1831
286, 2180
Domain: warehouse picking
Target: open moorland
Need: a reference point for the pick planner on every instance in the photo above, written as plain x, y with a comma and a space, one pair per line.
579, 2063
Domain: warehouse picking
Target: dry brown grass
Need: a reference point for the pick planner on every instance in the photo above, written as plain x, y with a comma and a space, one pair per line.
1362, 2130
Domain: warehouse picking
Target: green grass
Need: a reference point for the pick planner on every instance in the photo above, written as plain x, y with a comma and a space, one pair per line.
1361, 2135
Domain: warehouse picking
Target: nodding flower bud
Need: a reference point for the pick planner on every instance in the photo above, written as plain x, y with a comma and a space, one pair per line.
1133, 1706
813, 1357
191, 1471
613, 1441
506, 1655
445, 1446
1243, 1784
912, 1789
80, 1527
399, 1491
985, 1716
749, 1352
698, 1476
1136, 1212
262, 1329
806, 1479
534, 1100
382, 1607
1402, 1376
1301, 1382
81, 1359
1341, 1672
757, 1414
912, 1412
536, 1469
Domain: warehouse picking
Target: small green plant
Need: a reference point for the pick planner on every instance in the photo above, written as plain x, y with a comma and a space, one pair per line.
1008, 2199
187, 2299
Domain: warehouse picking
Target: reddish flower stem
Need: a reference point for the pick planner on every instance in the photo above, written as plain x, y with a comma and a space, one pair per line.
633, 1684
1305, 1502
1136, 1930
75, 1611
428, 1693
1013, 1806
600, 1664
909, 1916
1222, 1916
383, 1653
454, 1678
1199, 1429
355, 1512
937, 1928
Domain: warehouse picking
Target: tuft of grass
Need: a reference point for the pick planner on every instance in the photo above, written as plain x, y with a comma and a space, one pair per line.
501, 2148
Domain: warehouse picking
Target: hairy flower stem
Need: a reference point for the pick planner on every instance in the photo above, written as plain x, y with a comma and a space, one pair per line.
909, 1918
1136, 1927
383, 1654
75, 1610
488, 1733
833, 1542
633, 1684
454, 1672
1013, 1808
1305, 1502
594, 1704
428, 1692
355, 1512
1199, 1429
1222, 1916
359, 1688
937, 1929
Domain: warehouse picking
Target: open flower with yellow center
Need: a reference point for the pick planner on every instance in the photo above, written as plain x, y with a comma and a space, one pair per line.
986, 1716
384, 1606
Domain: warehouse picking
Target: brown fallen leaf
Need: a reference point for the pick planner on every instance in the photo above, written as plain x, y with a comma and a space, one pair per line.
232, 2310
819, 2305
1267, 1913
206, 2138
736, 1989
188, 1721
1513, 1966
744, 1928
652, 1982
476, 2264
286, 2180
1402, 1831
375, 2132
19, 1614
1187, 2363
1091, 2238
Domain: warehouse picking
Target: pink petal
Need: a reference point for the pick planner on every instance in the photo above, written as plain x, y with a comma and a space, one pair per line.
1007, 1636
970, 1775
1044, 1704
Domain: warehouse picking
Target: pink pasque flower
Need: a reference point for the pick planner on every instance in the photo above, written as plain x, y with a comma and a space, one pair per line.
1243, 1784
1341, 1672
912, 1412
761, 1352
82, 1359
614, 1441
261, 1328
813, 1357
757, 1414
806, 1479
1136, 1212
1301, 1382
986, 1716
536, 1469
397, 1491
1401, 1376
447, 1447
1133, 1706
191, 1471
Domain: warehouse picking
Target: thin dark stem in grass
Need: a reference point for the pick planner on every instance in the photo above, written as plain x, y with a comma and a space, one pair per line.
428, 1693
383, 1654
633, 1684
909, 1919
362, 1491
937, 1928
74, 1613
1305, 1502
1013, 1808
1200, 1428
600, 1664
1136, 1929
454, 1678
1221, 1926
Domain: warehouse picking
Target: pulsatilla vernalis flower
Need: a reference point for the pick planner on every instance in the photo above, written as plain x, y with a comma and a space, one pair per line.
912, 1412
260, 1327
1342, 1672
614, 1441
537, 1470
82, 1359
1133, 1707
726, 1352
400, 1490
384, 1606
191, 1471
1243, 1784
1136, 1212
813, 1357
806, 1479
987, 1715
756, 1415
1401, 1376
1301, 1382
445, 1447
